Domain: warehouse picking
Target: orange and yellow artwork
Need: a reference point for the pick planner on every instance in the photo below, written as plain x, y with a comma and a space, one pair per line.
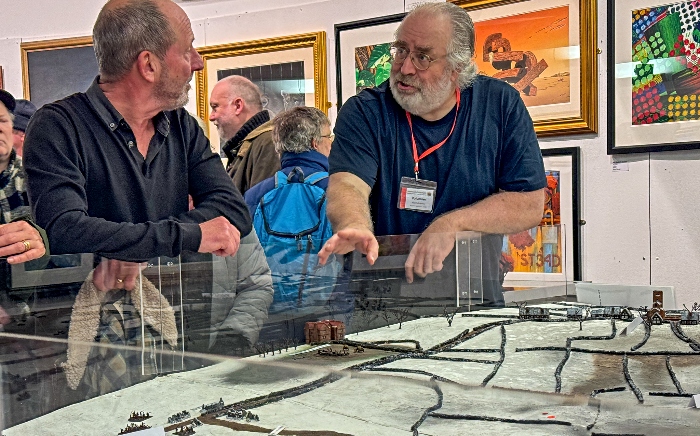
530, 51
538, 250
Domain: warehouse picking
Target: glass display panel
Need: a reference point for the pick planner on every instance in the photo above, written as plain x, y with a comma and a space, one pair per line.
208, 345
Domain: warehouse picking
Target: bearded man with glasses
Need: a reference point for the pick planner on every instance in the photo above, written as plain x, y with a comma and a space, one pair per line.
437, 150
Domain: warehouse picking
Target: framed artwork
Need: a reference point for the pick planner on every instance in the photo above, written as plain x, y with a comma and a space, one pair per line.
653, 75
362, 58
546, 49
290, 71
57, 68
552, 250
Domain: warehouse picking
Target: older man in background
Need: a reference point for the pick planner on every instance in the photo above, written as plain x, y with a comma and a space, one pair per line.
19, 239
245, 131
14, 203
302, 137
292, 223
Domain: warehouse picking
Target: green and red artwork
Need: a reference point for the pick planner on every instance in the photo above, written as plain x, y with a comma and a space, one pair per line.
666, 53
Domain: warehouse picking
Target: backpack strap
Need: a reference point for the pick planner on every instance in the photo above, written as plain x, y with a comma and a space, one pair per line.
314, 178
280, 179
298, 171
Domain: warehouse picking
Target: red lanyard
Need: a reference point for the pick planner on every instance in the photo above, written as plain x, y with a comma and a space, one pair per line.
417, 158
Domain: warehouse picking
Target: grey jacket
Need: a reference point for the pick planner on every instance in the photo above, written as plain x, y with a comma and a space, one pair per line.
242, 293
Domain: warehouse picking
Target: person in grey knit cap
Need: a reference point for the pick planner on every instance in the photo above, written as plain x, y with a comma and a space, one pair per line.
24, 109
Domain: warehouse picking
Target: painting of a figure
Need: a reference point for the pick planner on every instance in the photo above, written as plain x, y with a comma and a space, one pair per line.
666, 57
282, 85
538, 250
530, 51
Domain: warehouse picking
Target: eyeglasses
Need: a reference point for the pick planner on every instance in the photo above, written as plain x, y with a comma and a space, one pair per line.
329, 136
420, 60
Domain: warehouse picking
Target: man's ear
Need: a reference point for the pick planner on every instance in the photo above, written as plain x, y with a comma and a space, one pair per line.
148, 66
239, 105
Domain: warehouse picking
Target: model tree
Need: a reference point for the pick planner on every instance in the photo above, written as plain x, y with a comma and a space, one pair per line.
401, 315
386, 314
367, 316
271, 346
260, 348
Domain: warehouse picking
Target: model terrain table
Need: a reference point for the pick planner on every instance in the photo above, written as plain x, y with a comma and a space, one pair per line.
489, 373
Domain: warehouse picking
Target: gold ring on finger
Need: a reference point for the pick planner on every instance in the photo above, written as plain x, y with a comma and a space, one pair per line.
120, 281
27, 245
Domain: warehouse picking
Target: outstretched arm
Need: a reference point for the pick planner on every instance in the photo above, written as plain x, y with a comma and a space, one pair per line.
348, 210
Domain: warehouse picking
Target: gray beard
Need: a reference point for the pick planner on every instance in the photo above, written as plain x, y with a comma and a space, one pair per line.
429, 96
222, 136
171, 99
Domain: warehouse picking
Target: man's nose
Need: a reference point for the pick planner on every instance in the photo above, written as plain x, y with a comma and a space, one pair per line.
197, 63
407, 66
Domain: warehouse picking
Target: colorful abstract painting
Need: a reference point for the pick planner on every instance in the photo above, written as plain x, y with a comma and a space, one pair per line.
372, 65
530, 51
538, 250
665, 49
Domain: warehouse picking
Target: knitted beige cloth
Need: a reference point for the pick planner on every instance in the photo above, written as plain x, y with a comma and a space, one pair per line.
85, 321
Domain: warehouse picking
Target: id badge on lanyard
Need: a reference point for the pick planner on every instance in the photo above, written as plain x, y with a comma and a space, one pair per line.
414, 193
417, 195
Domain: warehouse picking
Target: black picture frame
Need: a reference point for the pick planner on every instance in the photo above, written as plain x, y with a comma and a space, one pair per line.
353, 25
574, 153
657, 140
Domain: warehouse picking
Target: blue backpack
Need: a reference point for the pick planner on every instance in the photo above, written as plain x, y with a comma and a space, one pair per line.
291, 223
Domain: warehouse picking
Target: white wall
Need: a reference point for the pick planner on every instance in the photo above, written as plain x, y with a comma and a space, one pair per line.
641, 225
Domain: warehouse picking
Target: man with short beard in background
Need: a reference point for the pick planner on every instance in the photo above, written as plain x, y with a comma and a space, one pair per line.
436, 150
245, 131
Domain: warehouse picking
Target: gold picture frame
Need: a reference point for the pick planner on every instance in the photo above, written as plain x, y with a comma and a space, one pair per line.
586, 120
262, 52
54, 69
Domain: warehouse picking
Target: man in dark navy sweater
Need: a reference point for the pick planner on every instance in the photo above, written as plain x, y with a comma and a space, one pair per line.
435, 151
110, 169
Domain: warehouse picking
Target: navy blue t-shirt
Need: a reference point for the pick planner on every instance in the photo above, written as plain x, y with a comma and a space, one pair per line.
493, 147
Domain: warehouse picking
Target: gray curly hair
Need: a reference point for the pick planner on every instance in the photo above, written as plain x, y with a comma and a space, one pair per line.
294, 130
460, 49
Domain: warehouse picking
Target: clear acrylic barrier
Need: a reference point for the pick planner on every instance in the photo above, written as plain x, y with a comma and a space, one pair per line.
386, 356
